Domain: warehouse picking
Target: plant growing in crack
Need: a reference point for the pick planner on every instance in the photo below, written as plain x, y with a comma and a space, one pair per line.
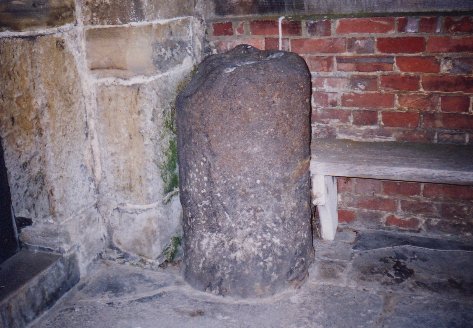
171, 251
169, 170
170, 167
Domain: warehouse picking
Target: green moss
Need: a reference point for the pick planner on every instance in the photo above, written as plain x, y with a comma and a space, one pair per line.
169, 171
172, 249
170, 119
169, 166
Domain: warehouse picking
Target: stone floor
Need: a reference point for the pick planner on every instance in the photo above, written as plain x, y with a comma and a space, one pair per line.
369, 279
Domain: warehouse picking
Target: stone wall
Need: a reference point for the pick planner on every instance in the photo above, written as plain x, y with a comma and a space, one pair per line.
86, 100
400, 78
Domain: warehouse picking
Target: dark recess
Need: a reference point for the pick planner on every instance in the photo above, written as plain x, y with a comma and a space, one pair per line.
8, 243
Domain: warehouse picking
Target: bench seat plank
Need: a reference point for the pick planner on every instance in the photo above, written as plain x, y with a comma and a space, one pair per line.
450, 164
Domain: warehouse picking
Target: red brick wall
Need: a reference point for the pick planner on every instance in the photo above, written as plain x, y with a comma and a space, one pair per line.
382, 78
405, 78
417, 207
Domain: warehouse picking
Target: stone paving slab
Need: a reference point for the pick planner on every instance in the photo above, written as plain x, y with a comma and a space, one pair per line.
121, 302
414, 270
418, 311
400, 286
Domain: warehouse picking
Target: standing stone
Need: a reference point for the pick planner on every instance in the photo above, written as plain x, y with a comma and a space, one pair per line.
243, 138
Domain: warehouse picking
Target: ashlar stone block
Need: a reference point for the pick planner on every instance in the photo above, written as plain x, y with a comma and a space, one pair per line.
105, 12
33, 14
128, 51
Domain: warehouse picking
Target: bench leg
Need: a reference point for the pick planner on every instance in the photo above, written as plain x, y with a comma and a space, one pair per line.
324, 196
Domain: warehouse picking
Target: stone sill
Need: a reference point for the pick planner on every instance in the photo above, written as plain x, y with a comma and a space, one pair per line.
31, 282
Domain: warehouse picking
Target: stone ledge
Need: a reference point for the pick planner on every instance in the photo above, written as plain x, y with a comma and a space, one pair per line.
31, 282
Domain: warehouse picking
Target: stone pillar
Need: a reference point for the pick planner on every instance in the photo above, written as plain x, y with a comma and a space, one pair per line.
243, 137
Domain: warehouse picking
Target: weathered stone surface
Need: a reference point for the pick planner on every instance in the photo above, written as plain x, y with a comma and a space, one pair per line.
44, 128
47, 235
138, 148
84, 234
139, 50
146, 231
45, 134
133, 138
104, 12
88, 237
30, 14
243, 135
22, 130
136, 142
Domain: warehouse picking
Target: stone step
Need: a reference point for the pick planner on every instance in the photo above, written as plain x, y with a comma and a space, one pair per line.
31, 282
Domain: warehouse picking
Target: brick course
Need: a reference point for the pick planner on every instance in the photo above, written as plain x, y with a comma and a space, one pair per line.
418, 207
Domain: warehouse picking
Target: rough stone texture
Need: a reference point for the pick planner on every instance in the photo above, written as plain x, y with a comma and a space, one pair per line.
46, 142
146, 231
324, 7
44, 128
124, 296
400, 263
134, 144
104, 12
139, 50
22, 129
33, 14
243, 143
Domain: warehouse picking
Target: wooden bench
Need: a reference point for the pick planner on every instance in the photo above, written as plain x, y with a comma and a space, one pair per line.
450, 164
